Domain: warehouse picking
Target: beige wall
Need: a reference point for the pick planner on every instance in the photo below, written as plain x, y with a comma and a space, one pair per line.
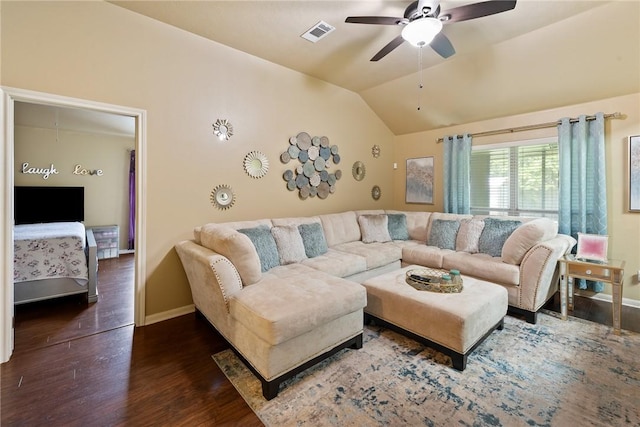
624, 227
106, 196
98, 51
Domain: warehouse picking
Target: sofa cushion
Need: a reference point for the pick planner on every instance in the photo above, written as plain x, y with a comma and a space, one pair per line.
494, 234
236, 247
483, 266
443, 233
265, 245
527, 236
445, 216
313, 239
469, 235
295, 220
428, 256
397, 224
281, 309
338, 263
340, 228
289, 244
376, 254
374, 228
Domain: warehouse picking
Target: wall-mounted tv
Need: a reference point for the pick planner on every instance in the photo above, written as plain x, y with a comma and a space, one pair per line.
32, 205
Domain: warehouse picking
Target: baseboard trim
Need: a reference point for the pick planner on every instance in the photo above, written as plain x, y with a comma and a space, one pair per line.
608, 298
169, 314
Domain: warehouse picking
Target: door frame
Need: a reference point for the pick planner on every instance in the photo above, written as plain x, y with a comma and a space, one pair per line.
9, 97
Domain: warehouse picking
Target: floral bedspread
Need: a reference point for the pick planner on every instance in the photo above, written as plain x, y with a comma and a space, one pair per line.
46, 251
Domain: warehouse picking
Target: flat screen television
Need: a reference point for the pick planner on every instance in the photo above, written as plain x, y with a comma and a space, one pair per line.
33, 205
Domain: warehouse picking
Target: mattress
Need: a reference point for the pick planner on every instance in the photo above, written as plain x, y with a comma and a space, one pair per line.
50, 250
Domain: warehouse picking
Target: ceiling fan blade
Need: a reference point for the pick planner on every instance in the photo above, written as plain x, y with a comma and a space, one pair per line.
442, 45
476, 10
378, 20
388, 48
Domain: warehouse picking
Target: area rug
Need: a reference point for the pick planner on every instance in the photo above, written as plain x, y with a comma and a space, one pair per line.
554, 373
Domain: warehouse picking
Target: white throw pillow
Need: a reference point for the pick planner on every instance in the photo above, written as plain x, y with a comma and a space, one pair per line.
525, 237
374, 228
289, 243
469, 235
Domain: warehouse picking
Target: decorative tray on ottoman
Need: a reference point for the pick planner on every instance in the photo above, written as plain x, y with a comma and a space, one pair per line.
429, 279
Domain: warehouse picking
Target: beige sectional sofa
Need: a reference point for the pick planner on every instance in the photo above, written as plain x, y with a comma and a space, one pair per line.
285, 292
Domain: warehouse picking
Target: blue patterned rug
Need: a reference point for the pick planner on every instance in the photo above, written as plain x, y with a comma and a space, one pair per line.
555, 373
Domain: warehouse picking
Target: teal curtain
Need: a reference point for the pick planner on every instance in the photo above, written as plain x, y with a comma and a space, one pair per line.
582, 204
457, 160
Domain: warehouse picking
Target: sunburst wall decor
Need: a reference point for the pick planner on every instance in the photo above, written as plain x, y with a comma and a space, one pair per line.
223, 197
256, 164
223, 129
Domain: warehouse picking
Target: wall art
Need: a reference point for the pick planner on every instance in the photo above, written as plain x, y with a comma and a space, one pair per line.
634, 173
375, 151
312, 176
419, 181
223, 197
256, 164
223, 129
376, 193
358, 170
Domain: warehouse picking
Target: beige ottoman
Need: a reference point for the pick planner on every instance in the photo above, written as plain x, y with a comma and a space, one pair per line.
454, 324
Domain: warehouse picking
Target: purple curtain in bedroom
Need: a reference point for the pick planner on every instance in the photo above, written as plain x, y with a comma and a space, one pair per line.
132, 199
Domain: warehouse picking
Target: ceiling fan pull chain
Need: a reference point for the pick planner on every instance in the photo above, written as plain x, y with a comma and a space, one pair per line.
420, 86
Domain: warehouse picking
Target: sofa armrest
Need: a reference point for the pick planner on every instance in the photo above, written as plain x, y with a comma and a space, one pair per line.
213, 280
539, 273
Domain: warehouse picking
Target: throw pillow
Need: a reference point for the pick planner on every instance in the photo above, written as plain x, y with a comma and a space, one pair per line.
374, 228
313, 239
443, 233
265, 244
289, 244
494, 234
527, 236
397, 224
468, 235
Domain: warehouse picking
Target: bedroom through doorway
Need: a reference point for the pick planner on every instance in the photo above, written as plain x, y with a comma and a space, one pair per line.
52, 119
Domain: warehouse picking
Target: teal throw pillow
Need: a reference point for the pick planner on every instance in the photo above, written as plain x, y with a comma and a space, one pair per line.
265, 244
494, 234
443, 233
397, 225
313, 239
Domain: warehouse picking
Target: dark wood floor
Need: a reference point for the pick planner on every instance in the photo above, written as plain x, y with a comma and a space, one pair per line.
82, 365
79, 365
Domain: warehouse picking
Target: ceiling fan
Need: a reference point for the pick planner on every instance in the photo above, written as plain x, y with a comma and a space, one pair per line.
423, 23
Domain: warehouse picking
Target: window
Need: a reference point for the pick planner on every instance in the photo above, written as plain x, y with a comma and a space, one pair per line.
519, 179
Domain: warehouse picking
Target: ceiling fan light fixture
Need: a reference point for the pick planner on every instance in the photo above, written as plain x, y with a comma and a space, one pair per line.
421, 31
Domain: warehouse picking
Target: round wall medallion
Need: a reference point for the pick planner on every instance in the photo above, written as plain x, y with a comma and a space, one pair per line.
358, 171
256, 164
375, 151
375, 192
223, 197
223, 129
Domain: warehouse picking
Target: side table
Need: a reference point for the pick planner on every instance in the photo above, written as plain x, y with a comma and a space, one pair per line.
610, 271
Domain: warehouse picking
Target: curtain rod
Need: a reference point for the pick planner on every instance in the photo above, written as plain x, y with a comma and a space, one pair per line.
616, 115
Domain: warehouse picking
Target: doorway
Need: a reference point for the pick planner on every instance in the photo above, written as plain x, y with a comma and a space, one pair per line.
7, 108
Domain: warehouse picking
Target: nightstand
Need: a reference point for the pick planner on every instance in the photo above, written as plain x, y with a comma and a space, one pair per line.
610, 271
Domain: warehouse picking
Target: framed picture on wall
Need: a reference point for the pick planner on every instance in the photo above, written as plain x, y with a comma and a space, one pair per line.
634, 173
419, 183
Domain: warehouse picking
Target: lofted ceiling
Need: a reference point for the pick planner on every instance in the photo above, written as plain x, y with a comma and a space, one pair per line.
541, 55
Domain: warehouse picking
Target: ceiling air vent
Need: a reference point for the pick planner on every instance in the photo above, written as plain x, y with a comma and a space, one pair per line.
318, 31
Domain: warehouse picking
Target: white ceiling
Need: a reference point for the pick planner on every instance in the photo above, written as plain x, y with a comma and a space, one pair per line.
73, 119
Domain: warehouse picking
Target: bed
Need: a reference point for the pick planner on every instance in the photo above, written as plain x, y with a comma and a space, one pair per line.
54, 255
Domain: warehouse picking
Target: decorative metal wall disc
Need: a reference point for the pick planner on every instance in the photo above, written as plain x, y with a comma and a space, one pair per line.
256, 164
304, 141
223, 129
358, 171
284, 157
375, 192
223, 197
375, 151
